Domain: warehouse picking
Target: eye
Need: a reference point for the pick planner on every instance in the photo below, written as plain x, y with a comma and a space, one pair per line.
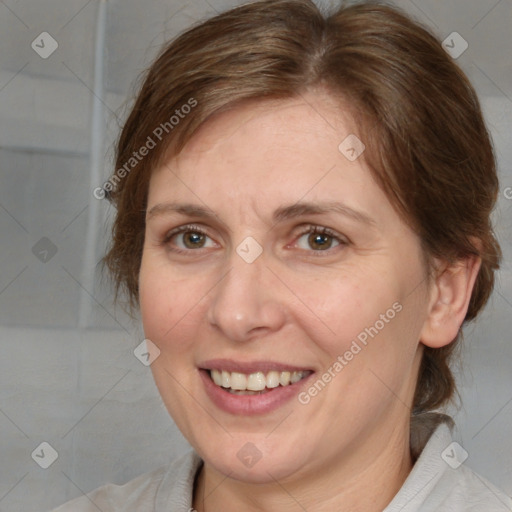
319, 239
187, 238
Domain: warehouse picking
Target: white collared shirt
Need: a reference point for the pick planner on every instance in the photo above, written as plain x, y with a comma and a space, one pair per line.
438, 481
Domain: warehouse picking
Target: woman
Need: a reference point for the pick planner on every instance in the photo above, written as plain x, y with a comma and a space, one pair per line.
305, 228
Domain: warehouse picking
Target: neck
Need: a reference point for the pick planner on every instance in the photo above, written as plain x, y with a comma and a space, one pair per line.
365, 481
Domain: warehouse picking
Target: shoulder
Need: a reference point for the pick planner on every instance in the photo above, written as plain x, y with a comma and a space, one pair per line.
473, 493
439, 480
165, 484
139, 492
463, 490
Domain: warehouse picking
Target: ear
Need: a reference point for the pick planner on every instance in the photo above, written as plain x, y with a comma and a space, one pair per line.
450, 294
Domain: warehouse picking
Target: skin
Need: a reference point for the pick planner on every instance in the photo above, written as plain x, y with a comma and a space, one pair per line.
348, 448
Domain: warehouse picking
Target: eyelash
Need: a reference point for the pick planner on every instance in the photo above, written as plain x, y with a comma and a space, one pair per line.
311, 229
178, 231
321, 230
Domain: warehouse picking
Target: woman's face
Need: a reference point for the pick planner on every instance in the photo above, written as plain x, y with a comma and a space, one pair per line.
268, 252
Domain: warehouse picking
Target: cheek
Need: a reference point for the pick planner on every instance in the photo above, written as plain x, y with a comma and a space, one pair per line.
169, 305
345, 308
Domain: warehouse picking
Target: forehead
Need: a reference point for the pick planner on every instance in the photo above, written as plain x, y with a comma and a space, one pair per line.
246, 164
248, 167
265, 143
279, 122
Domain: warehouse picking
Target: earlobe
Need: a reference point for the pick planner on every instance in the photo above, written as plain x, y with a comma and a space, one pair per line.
450, 294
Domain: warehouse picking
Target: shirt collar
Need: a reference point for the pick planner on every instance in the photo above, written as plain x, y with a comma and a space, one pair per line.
430, 435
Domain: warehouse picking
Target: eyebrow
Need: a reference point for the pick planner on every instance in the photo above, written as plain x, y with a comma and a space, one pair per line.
305, 208
283, 213
189, 210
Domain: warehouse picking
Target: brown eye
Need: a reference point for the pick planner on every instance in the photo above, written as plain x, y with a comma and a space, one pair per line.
193, 239
187, 238
320, 241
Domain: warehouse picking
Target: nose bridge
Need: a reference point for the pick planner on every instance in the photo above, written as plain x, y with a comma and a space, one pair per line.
243, 278
243, 301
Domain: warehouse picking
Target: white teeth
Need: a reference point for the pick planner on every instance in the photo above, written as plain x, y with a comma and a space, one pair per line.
217, 377
255, 382
238, 381
284, 378
295, 377
226, 379
272, 379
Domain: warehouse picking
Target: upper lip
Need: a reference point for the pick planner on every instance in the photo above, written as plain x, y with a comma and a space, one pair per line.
250, 367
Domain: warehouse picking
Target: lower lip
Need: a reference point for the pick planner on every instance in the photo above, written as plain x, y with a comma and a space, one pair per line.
250, 405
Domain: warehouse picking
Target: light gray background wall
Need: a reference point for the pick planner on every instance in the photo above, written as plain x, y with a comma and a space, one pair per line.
68, 375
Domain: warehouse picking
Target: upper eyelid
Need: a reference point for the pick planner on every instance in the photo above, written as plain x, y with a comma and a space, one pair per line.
306, 228
319, 228
183, 229
343, 240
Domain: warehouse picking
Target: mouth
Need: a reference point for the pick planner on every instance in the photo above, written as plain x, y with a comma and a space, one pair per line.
246, 389
256, 383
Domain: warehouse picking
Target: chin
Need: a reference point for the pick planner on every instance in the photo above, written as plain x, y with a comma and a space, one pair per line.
257, 461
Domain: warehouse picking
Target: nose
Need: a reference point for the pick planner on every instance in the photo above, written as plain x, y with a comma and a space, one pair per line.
247, 302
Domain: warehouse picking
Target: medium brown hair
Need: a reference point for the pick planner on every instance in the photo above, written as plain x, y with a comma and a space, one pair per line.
418, 115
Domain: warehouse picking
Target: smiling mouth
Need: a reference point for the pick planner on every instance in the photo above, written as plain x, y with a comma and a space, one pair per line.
255, 383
